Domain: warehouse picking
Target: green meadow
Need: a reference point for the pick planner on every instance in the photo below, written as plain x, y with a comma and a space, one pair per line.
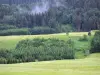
10, 42
89, 65
86, 66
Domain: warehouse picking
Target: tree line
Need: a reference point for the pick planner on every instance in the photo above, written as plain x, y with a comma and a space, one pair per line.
79, 15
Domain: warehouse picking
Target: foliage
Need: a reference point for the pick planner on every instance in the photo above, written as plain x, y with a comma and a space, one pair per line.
47, 49
42, 30
21, 31
88, 66
95, 43
38, 49
82, 52
3, 61
66, 28
5, 27
81, 15
84, 38
12, 30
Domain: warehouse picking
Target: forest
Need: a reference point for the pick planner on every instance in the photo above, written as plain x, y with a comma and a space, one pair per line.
48, 16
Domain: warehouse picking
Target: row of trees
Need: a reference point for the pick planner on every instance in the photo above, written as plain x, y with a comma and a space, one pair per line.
13, 30
87, 15
82, 15
38, 49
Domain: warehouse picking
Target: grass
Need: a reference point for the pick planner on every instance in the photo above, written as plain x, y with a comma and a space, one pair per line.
10, 42
87, 66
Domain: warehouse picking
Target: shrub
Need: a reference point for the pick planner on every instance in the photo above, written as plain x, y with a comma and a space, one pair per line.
65, 28
6, 57
38, 49
23, 31
13, 60
5, 53
42, 30
84, 38
95, 43
89, 33
44, 49
3, 61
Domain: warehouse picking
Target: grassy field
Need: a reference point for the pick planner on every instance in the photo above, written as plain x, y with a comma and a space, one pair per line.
10, 42
87, 66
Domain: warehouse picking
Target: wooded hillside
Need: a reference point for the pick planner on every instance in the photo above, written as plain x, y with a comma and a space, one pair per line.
61, 16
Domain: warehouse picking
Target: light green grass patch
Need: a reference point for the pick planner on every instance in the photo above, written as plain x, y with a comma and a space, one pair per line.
9, 42
87, 66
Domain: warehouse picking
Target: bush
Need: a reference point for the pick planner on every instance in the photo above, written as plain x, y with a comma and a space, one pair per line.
67, 28
42, 30
13, 60
23, 31
7, 57
95, 43
38, 49
5, 53
84, 38
44, 49
3, 61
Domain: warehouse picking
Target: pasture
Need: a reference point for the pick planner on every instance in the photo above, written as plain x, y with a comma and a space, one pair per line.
86, 66
10, 42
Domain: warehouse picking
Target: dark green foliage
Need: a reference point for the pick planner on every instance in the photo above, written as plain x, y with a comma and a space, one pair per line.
5, 27
8, 57
23, 31
12, 30
42, 30
89, 33
46, 49
84, 38
81, 15
38, 49
95, 43
5, 56
3, 61
66, 28
4, 53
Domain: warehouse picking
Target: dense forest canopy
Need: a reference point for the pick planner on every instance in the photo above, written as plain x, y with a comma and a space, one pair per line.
59, 15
